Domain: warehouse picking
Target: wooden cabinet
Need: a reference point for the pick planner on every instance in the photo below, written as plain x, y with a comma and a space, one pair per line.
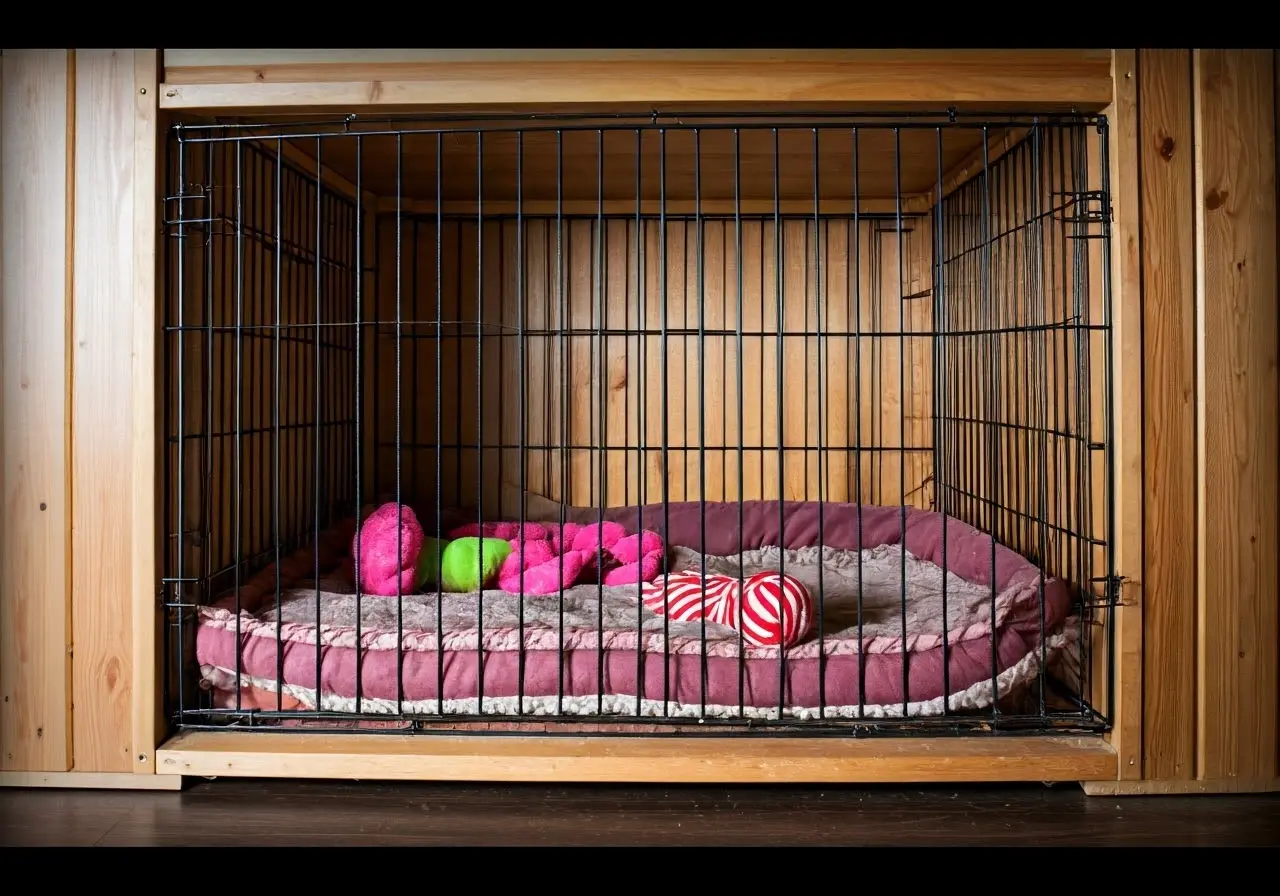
1192, 180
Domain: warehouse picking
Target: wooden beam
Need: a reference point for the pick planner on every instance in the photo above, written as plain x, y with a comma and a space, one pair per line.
91, 780
145, 302
1125, 706
36, 131
636, 759
113, 432
1167, 151
938, 78
1239, 578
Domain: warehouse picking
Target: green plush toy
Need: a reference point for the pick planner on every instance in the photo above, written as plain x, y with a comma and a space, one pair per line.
469, 563
429, 562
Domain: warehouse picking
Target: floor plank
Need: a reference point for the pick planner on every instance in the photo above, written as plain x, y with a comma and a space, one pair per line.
229, 812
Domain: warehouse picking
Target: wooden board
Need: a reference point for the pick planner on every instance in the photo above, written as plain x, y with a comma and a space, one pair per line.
286, 79
672, 760
91, 780
1124, 625
1167, 149
146, 546
113, 448
1237, 628
102, 407
35, 724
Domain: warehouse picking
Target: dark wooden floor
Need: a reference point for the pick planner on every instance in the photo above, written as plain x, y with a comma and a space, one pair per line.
260, 812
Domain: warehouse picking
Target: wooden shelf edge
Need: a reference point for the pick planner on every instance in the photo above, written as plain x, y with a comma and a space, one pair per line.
1176, 788
656, 760
1034, 80
91, 780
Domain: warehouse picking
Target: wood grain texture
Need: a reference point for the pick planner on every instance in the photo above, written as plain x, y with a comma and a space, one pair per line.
145, 548
938, 77
611, 392
1167, 149
103, 411
91, 780
1236, 722
616, 759
1126, 257
35, 729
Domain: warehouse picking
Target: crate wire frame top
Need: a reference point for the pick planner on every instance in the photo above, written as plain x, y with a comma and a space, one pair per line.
738, 318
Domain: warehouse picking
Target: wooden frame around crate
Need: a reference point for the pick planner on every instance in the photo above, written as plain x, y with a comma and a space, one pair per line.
1196, 635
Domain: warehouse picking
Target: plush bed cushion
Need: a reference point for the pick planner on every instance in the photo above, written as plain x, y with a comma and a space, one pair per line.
850, 534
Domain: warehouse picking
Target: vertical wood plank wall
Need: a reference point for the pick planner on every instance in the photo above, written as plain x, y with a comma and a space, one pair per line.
595, 404
78, 663
1207, 162
35, 602
1237, 650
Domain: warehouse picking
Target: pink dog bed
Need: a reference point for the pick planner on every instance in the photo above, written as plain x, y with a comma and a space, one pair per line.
861, 677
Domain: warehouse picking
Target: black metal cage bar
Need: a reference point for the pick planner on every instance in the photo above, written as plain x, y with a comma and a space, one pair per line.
746, 423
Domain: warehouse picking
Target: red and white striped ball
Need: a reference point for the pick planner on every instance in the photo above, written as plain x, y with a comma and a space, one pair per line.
776, 609
680, 596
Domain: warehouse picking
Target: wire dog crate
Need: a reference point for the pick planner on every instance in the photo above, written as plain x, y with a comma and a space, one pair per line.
782, 346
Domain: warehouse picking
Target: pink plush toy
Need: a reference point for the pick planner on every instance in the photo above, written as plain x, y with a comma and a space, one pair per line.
551, 556
380, 565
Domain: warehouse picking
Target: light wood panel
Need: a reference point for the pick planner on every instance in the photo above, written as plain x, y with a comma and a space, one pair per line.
1237, 631
1168, 152
88, 182
149, 721
104, 414
1208, 299
593, 420
1125, 705
35, 725
636, 759
307, 79
91, 780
